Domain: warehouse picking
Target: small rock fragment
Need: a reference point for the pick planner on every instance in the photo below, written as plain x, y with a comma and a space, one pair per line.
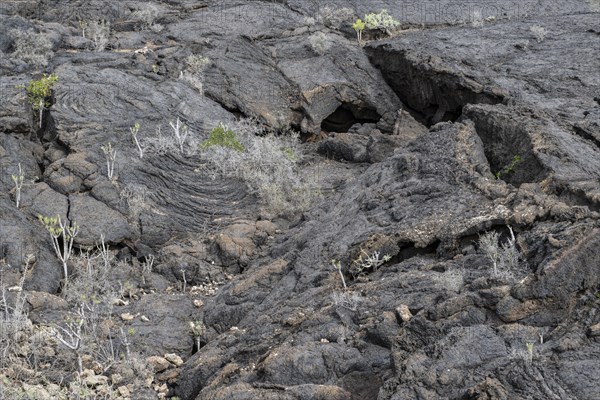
116, 379
158, 363
403, 312
169, 375
594, 330
126, 317
96, 380
174, 359
124, 391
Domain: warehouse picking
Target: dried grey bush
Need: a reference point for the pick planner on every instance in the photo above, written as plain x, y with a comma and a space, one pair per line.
539, 33
319, 43
269, 166
32, 48
99, 32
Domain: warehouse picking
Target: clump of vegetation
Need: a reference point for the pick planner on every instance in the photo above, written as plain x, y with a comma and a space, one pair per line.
505, 258
267, 162
381, 21
359, 26
39, 93
539, 33
32, 48
57, 229
530, 351
195, 65
334, 17
509, 168
99, 32
222, 136
111, 156
14, 322
366, 261
319, 43
180, 131
147, 14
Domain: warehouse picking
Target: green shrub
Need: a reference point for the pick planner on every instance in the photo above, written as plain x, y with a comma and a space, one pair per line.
39, 92
359, 26
382, 21
222, 136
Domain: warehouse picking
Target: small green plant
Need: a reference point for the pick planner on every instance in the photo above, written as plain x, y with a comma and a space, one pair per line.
198, 330
18, 180
222, 136
290, 154
39, 92
366, 261
359, 27
83, 24
134, 132
509, 168
530, 352
196, 63
382, 21
111, 155
57, 228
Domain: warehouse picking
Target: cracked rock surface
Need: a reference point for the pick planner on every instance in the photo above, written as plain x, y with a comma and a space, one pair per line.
458, 125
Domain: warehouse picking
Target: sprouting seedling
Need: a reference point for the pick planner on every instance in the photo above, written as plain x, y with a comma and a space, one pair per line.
111, 156
337, 264
134, 133
530, 351
510, 167
18, 180
359, 27
57, 228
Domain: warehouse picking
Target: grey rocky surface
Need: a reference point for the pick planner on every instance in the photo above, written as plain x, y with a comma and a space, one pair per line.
412, 133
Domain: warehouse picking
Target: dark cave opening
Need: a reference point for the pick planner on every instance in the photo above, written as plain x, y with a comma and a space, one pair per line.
346, 115
429, 95
508, 148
